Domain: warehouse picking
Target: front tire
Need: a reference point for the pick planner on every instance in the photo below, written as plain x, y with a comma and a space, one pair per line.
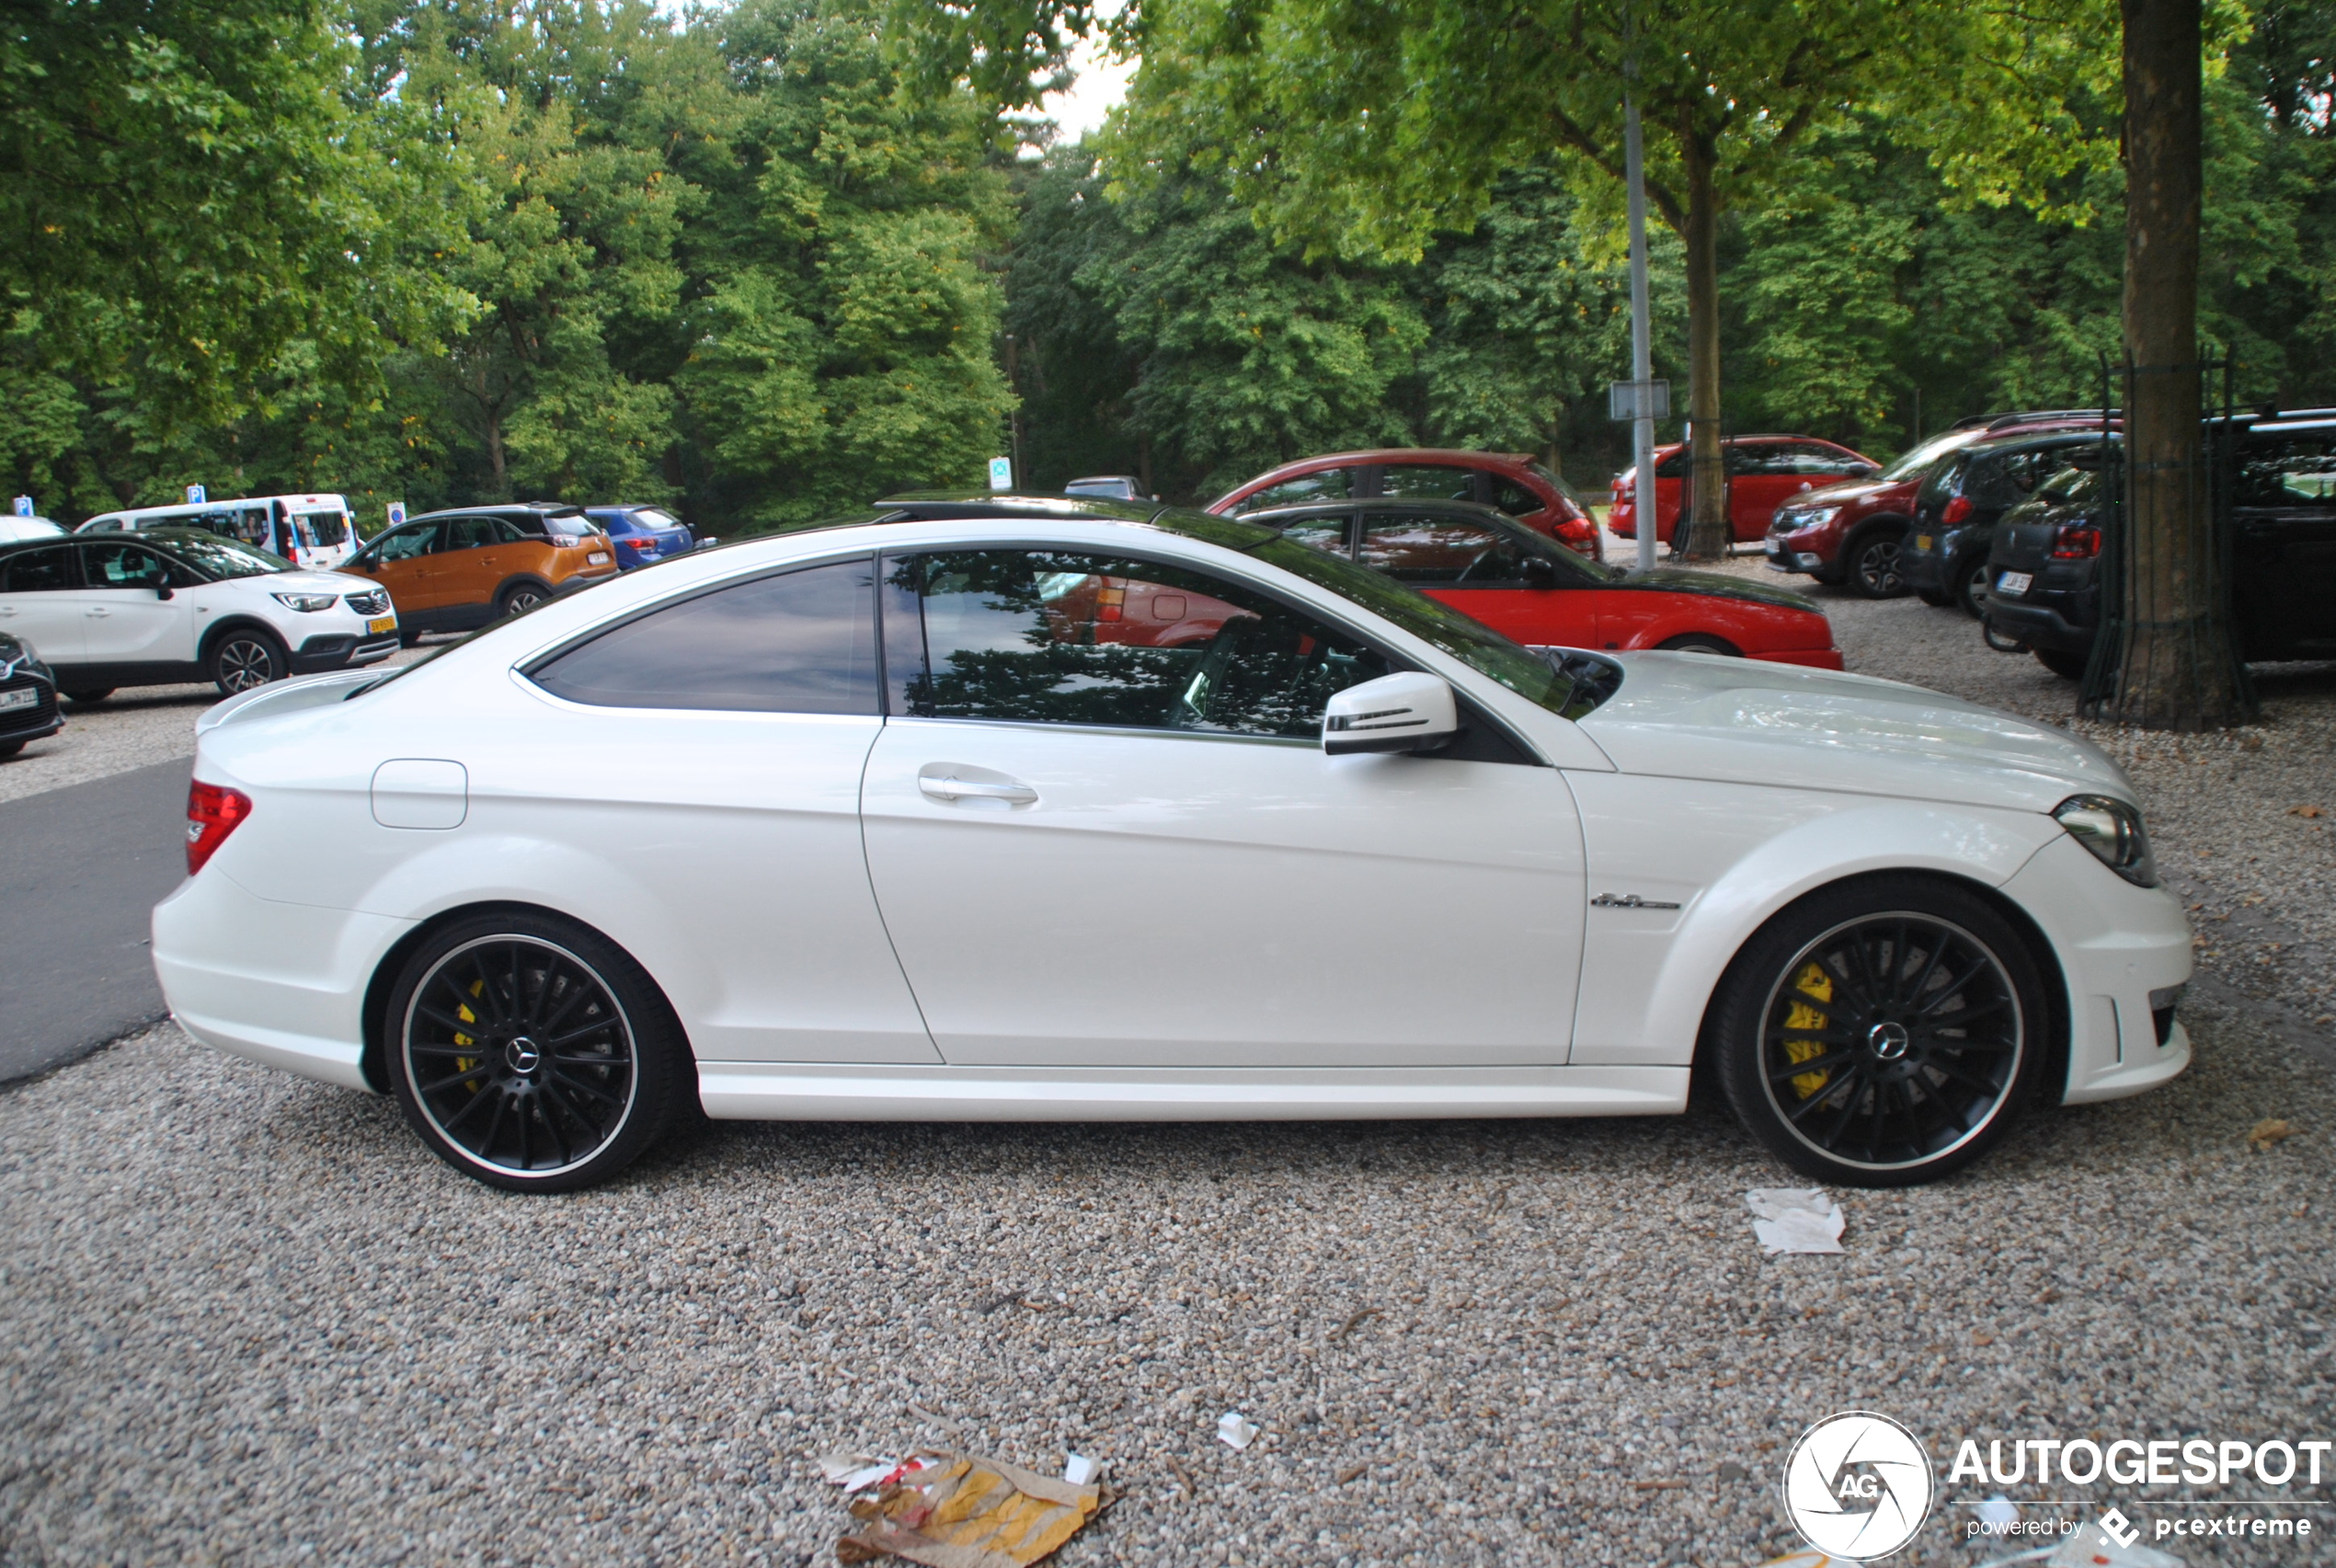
89, 697
1881, 1033
532, 1054
244, 659
1974, 591
1873, 558
2063, 662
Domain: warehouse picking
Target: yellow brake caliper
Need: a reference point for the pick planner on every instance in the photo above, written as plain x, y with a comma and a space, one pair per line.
464, 1064
1813, 982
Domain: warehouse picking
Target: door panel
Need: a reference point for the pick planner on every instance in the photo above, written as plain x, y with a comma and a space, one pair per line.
403, 562
469, 565
39, 603
1118, 899
124, 620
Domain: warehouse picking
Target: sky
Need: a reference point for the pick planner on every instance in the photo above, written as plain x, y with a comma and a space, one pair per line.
1100, 86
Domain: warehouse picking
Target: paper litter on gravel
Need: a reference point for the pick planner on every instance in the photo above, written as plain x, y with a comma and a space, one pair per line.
1788, 1220
952, 1510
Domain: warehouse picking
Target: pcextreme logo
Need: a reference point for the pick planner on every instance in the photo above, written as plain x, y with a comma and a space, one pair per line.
1857, 1486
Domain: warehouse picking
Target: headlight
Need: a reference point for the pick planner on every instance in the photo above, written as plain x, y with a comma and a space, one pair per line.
2112, 831
1819, 516
306, 604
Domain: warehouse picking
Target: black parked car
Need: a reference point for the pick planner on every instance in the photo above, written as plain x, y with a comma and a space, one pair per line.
28, 696
1945, 556
2044, 568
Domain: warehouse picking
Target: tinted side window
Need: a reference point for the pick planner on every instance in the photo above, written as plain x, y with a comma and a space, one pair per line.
129, 566
1514, 498
1674, 466
1945, 480
1329, 533
1330, 484
1427, 482
45, 570
1054, 637
470, 533
1759, 457
406, 543
2296, 472
1425, 550
803, 642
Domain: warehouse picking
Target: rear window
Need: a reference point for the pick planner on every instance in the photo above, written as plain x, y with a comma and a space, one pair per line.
1945, 479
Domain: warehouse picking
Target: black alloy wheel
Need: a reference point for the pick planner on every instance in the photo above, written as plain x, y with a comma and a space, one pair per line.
519, 599
531, 1055
245, 658
1874, 564
1882, 1033
1973, 589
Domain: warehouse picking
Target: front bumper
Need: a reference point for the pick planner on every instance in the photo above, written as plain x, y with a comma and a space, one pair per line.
281, 984
329, 651
36, 722
2116, 943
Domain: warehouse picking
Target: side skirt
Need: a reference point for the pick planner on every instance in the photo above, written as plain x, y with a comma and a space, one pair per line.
751, 1091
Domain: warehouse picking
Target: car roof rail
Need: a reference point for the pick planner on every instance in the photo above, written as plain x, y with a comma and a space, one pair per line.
2041, 416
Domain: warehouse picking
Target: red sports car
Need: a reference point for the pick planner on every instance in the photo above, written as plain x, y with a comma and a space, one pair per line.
1520, 584
1510, 483
1762, 472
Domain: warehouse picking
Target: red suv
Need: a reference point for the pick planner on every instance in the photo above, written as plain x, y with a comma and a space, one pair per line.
1762, 470
1511, 483
1852, 532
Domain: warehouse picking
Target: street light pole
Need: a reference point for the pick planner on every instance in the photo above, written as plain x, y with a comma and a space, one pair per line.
1642, 334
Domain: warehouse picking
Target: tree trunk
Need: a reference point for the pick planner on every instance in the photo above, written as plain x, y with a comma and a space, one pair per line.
1706, 535
2177, 669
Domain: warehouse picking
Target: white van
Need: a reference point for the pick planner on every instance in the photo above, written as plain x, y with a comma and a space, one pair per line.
316, 532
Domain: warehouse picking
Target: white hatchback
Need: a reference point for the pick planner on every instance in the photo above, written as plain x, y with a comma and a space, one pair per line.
177, 605
1028, 809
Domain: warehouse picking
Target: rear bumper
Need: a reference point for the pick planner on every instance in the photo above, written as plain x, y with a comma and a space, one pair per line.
1807, 657
281, 984
1922, 571
2038, 626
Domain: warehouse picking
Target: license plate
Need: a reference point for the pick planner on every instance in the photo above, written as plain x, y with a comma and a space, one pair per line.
597, 558
1922, 542
2015, 582
379, 624
23, 697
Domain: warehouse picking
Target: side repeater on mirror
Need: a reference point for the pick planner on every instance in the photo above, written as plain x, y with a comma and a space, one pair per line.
1411, 712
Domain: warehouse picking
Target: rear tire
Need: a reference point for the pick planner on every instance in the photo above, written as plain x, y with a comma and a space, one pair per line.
10, 748
532, 1054
245, 660
518, 600
1871, 564
1883, 1031
1973, 589
1699, 642
89, 698
1933, 598
2063, 661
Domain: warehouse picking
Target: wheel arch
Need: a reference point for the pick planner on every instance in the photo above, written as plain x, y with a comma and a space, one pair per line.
373, 1059
1865, 526
241, 621
2053, 1070
522, 579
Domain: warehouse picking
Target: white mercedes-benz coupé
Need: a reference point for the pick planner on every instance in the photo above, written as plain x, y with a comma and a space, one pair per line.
1018, 808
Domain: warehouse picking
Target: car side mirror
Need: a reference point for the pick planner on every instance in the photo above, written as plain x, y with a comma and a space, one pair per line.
1411, 712
162, 588
1868, 469
1539, 571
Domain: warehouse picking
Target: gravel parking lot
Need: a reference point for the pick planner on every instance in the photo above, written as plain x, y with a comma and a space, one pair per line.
249, 1321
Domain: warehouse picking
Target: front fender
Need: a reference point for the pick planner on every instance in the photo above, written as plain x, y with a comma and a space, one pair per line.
1730, 856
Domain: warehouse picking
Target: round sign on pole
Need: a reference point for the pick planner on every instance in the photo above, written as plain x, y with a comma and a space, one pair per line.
396, 513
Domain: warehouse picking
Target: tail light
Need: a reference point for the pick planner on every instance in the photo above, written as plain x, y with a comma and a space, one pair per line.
213, 811
2076, 542
1109, 603
566, 541
1957, 509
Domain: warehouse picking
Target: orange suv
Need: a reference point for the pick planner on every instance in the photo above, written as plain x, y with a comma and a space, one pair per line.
449, 571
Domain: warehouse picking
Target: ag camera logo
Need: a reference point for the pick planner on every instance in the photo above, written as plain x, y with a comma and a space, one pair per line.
1857, 1486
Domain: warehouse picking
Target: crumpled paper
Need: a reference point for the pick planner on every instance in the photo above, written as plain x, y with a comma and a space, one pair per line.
1790, 1219
952, 1510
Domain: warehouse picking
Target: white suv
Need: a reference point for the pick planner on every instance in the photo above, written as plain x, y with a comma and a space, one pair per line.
174, 605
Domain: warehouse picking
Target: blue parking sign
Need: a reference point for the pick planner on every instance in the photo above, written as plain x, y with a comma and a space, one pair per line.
195, 496
24, 506
1002, 473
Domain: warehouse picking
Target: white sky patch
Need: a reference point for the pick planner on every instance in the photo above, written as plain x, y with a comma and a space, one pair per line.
1101, 86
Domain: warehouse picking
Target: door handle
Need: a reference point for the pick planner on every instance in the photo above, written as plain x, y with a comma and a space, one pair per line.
948, 786
98, 609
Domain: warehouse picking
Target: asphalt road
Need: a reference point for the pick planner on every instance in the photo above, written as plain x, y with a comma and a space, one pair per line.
79, 869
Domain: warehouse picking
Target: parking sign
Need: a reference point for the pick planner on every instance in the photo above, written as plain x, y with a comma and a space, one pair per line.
396, 513
1002, 473
24, 506
195, 496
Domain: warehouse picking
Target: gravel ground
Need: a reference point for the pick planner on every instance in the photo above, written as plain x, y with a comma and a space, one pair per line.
249, 1321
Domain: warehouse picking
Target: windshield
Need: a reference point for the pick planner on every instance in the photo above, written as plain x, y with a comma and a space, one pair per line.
1914, 462
217, 556
1470, 641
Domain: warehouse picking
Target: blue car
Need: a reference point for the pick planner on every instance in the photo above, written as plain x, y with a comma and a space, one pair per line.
643, 536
